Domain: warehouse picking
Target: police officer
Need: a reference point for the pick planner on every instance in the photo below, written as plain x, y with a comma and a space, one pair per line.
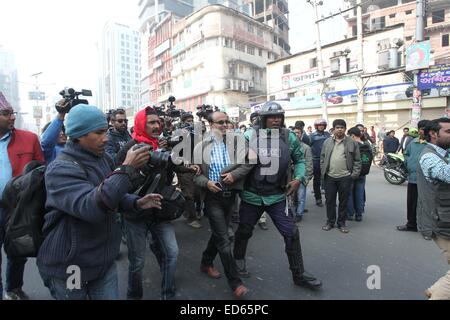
317, 138
266, 189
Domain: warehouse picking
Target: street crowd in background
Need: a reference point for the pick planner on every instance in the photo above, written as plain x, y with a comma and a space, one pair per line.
106, 184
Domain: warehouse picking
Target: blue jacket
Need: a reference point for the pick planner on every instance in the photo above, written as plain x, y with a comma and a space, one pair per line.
390, 145
317, 139
50, 138
412, 153
86, 233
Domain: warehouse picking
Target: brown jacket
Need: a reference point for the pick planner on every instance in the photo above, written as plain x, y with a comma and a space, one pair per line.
239, 171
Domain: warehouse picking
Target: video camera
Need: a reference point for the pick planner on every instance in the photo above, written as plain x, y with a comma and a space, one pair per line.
206, 110
71, 98
158, 159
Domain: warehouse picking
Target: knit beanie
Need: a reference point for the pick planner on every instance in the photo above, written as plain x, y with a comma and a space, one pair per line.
83, 119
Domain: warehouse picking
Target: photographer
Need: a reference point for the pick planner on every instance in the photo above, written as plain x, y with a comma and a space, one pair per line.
118, 135
83, 197
54, 138
147, 129
186, 179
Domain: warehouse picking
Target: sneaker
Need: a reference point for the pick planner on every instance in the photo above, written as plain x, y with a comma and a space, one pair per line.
242, 268
16, 294
195, 224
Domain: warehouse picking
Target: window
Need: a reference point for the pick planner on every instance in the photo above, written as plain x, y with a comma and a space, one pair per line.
241, 68
259, 32
272, 98
313, 63
227, 43
291, 94
250, 28
427, 38
354, 31
275, 39
286, 69
251, 50
438, 16
379, 23
409, 38
408, 12
240, 46
260, 52
445, 40
392, 16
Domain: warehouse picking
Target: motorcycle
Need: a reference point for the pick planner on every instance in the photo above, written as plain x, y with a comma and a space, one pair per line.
394, 168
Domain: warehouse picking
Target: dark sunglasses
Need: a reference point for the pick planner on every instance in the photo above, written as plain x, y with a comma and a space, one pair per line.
122, 120
222, 122
8, 113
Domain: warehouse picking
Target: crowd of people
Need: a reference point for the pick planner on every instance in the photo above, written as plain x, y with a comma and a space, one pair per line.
105, 185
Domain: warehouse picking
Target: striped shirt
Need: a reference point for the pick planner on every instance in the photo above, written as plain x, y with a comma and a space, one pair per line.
433, 167
220, 159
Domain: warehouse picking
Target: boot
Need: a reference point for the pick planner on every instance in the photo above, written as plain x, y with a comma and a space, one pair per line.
295, 258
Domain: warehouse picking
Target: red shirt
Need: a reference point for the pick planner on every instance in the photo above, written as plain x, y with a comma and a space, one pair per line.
23, 147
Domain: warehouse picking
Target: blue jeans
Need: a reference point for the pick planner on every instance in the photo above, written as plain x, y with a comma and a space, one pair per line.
301, 196
356, 199
105, 288
165, 248
14, 266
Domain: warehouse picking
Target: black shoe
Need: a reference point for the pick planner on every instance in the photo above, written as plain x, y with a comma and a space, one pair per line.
241, 268
406, 228
319, 203
350, 218
263, 225
305, 211
308, 281
298, 218
358, 218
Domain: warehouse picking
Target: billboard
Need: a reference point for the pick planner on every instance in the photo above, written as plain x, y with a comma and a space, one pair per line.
436, 77
418, 56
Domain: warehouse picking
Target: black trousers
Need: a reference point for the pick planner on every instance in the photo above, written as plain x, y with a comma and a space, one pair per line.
316, 182
334, 187
219, 211
411, 206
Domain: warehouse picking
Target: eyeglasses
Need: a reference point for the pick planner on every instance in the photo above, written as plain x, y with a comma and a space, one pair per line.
8, 113
222, 122
122, 120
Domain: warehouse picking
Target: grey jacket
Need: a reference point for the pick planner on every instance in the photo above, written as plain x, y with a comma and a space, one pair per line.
352, 156
239, 171
309, 162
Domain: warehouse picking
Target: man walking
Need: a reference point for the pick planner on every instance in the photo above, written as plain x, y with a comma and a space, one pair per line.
340, 164
17, 149
317, 139
433, 186
267, 191
220, 180
118, 135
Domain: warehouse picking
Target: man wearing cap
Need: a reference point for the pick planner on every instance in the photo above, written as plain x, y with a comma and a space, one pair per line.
17, 148
77, 258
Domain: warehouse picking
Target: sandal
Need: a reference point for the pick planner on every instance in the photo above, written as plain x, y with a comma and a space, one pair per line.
327, 227
343, 229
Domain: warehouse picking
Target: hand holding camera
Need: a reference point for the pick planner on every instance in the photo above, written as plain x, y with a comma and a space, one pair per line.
149, 201
137, 157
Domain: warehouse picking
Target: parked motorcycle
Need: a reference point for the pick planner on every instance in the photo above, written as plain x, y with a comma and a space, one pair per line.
394, 168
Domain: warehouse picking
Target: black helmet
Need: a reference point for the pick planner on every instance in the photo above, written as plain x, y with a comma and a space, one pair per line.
270, 108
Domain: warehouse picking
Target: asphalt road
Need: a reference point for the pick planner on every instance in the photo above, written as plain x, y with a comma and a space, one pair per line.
408, 264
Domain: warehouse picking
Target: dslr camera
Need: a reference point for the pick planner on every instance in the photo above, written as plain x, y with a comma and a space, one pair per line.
72, 99
205, 110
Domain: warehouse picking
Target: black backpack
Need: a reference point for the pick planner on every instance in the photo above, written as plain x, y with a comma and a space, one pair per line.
366, 159
24, 202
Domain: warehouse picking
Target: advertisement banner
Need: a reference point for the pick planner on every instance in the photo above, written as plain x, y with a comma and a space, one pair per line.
306, 102
418, 56
435, 77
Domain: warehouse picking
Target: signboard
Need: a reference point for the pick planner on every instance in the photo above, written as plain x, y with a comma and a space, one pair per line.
297, 80
306, 102
418, 56
36, 95
233, 112
37, 112
435, 77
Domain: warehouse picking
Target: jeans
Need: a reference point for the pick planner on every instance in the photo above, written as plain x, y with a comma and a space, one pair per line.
165, 248
316, 181
334, 186
219, 215
105, 288
301, 196
356, 198
14, 266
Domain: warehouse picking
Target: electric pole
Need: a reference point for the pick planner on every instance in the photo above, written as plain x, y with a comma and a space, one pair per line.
360, 86
321, 79
416, 112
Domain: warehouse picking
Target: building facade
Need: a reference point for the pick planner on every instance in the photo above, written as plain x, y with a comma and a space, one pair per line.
9, 81
387, 90
220, 57
120, 68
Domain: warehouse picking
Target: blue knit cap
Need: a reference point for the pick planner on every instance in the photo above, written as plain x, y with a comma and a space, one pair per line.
83, 119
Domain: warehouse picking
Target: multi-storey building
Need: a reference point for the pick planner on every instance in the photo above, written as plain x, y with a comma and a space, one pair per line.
219, 58
120, 68
9, 80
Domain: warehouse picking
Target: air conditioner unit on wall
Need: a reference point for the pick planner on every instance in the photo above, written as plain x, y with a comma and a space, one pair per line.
335, 66
251, 84
383, 60
338, 54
